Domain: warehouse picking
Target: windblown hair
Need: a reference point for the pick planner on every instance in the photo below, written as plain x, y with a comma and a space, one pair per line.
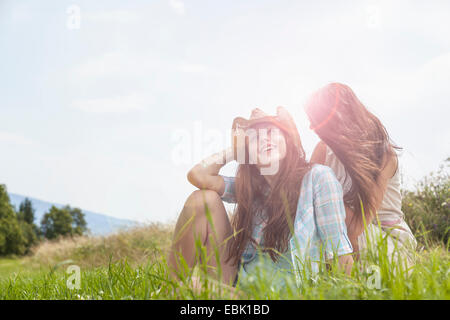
357, 138
280, 203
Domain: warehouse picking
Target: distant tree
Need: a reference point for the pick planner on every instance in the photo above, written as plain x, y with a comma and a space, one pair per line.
79, 224
29, 233
56, 222
26, 221
63, 222
12, 240
26, 211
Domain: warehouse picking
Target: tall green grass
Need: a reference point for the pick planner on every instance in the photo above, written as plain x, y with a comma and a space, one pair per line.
120, 278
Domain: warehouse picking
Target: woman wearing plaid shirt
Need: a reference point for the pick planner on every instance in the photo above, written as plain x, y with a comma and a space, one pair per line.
289, 214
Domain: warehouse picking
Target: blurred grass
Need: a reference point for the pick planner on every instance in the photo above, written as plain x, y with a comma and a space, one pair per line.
10, 265
137, 245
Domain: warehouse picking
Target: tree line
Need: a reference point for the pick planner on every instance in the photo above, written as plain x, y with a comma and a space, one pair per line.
19, 233
427, 209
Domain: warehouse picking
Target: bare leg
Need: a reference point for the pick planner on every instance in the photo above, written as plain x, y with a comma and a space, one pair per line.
193, 224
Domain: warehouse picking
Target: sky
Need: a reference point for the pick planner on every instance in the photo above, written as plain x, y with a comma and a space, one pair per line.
106, 105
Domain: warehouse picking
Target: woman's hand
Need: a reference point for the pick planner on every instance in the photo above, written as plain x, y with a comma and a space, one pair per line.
205, 175
346, 263
354, 229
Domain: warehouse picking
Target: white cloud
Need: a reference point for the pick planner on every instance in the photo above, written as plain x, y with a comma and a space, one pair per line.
119, 64
193, 68
419, 88
115, 16
420, 18
177, 6
114, 64
121, 104
427, 82
434, 76
12, 138
21, 13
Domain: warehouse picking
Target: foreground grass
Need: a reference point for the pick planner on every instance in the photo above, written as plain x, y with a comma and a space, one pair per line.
131, 265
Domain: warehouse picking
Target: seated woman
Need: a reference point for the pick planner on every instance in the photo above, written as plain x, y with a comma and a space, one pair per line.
356, 145
285, 206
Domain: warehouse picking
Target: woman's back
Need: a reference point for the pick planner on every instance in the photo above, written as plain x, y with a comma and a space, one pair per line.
390, 212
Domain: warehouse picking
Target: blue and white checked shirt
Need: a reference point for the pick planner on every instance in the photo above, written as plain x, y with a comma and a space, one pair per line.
319, 227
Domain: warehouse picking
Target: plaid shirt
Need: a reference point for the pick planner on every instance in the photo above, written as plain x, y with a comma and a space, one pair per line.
319, 227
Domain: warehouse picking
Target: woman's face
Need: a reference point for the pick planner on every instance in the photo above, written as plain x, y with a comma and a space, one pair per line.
269, 145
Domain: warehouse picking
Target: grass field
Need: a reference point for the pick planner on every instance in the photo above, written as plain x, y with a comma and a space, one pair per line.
9, 266
131, 265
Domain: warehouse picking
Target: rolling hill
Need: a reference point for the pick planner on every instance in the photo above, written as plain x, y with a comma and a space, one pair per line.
98, 224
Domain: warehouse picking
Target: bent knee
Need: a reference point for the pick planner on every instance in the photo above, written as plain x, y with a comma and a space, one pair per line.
199, 200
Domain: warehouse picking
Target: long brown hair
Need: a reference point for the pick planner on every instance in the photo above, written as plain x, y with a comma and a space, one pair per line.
356, 137
280, 203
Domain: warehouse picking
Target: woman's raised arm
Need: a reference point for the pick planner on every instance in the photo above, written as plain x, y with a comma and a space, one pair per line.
205, 175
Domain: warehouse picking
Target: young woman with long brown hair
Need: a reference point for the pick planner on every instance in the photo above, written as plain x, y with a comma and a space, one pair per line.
356, 145
293, 213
